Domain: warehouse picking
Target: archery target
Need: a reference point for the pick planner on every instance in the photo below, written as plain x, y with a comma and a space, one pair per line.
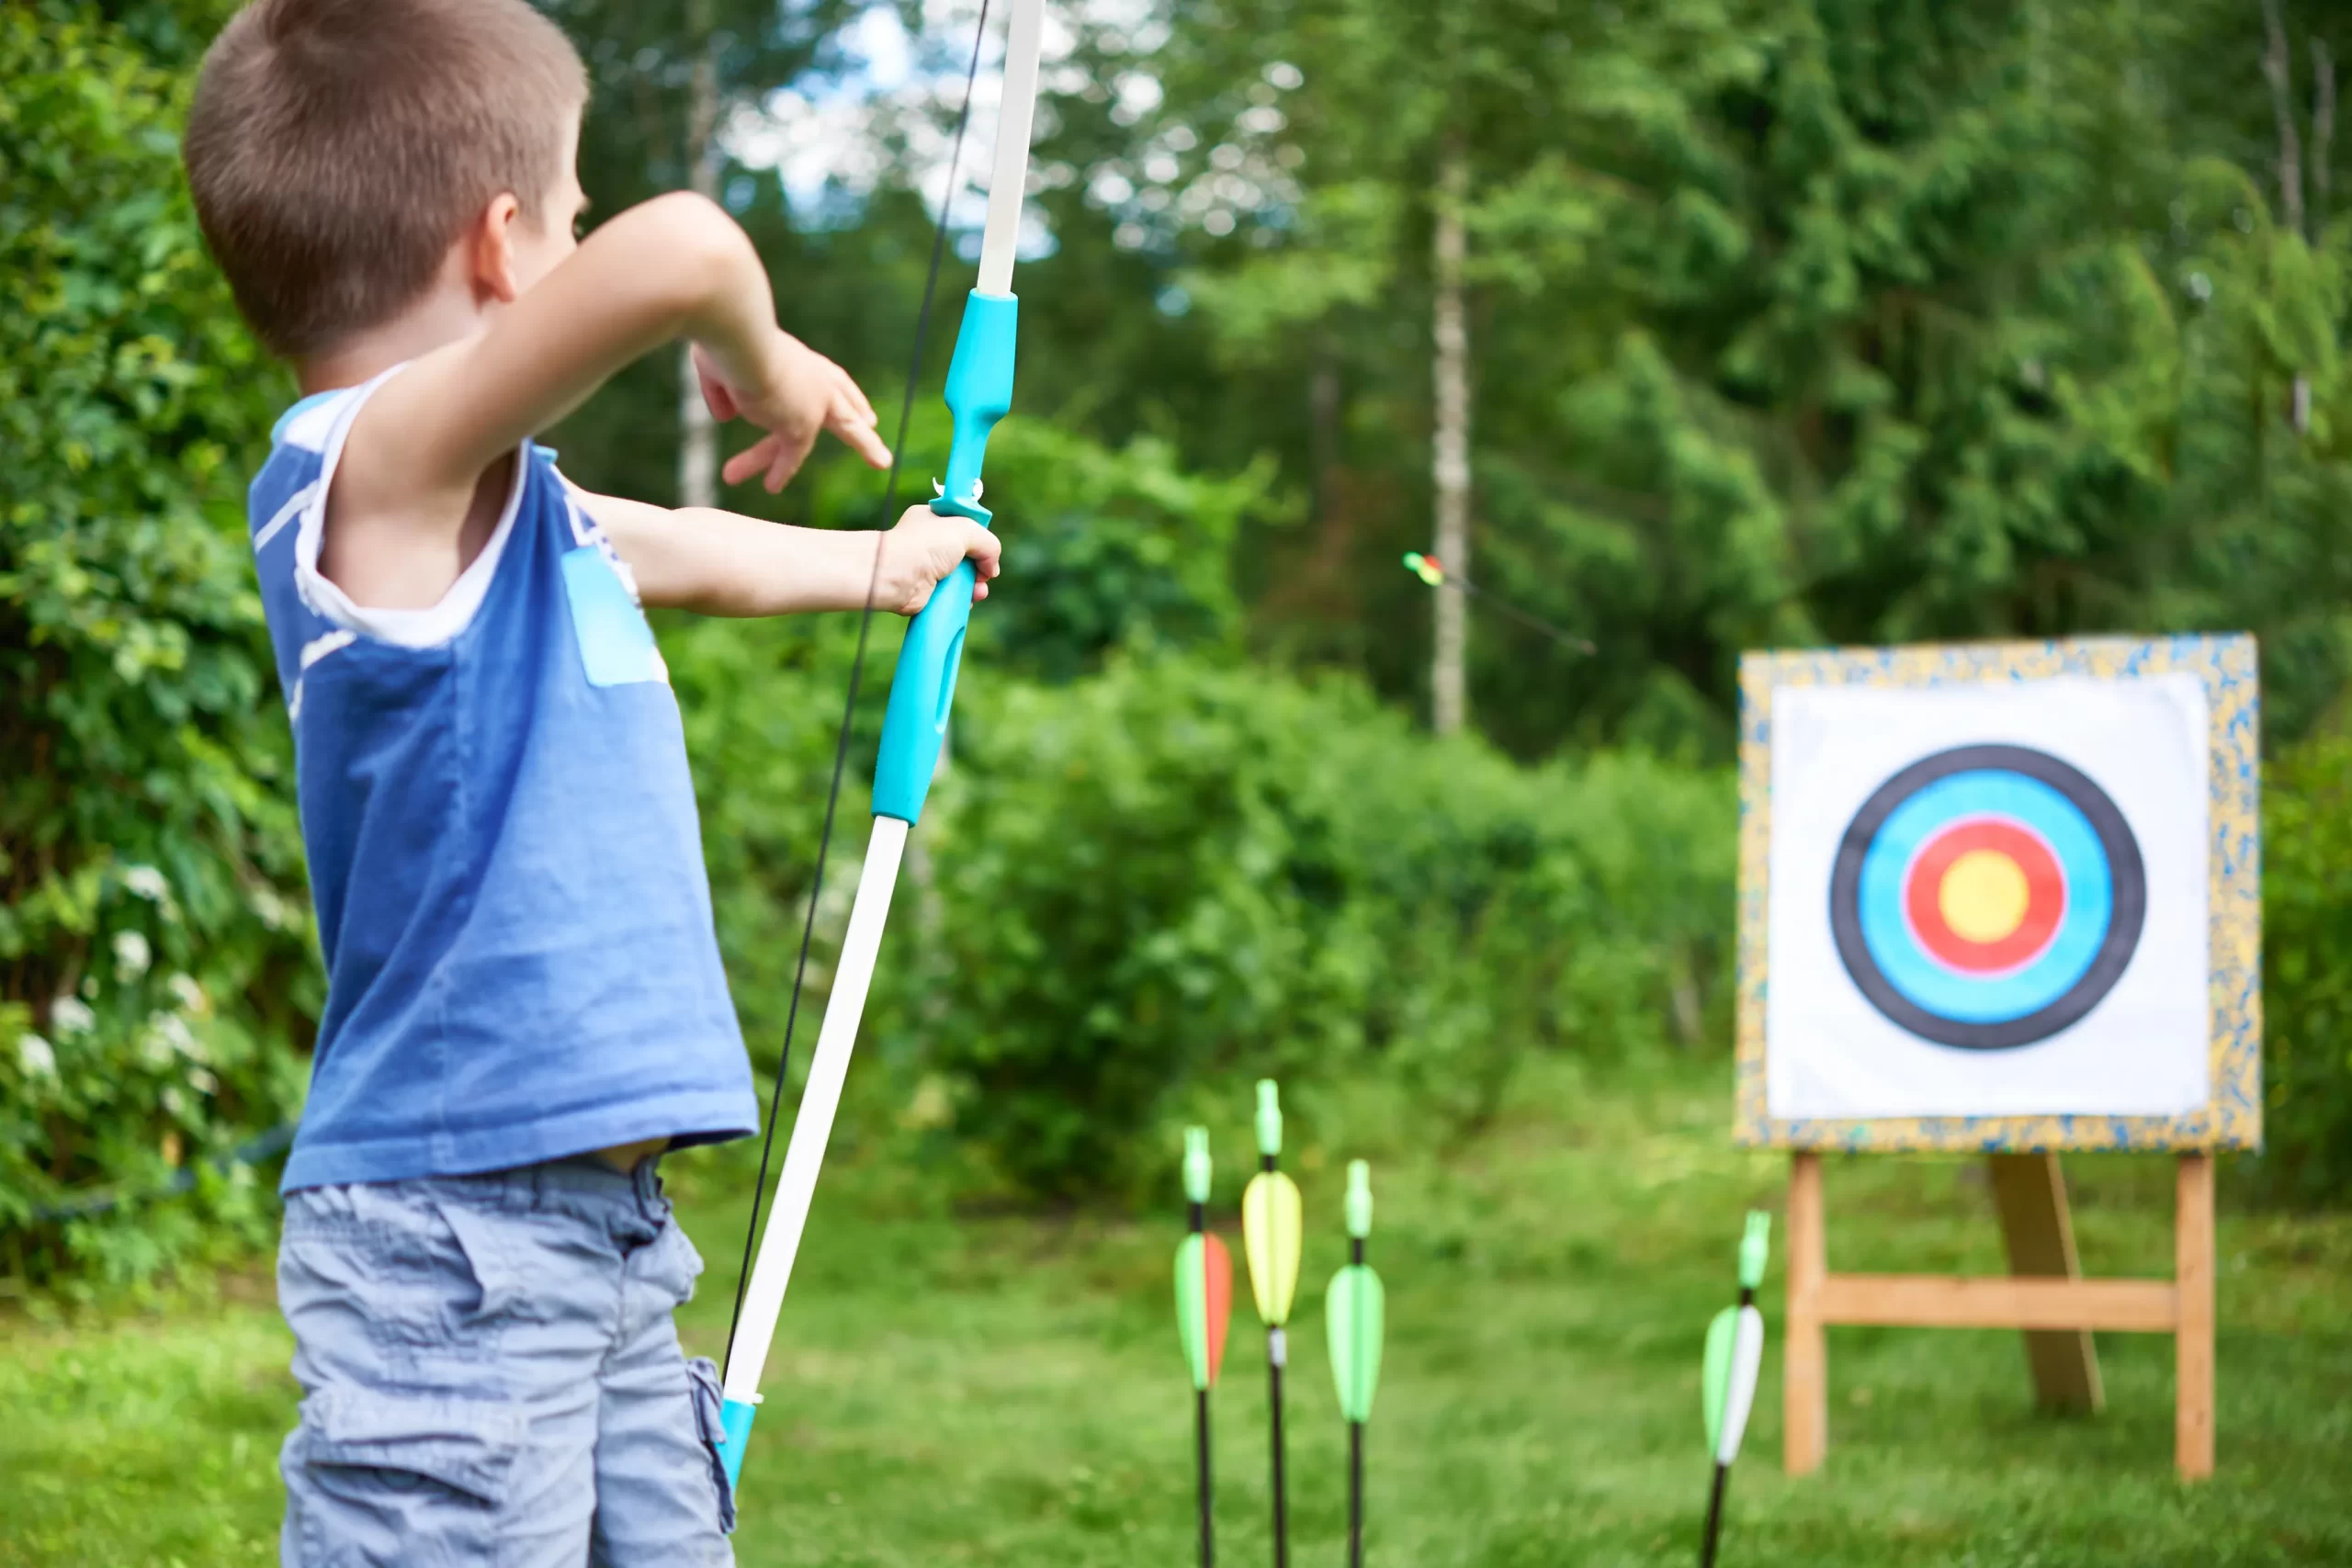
1988, 900
1987, 896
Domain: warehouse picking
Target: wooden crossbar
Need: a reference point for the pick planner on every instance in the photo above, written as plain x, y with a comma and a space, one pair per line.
1944, 1301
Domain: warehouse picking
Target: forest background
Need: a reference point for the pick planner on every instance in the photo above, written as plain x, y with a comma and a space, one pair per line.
1691, 326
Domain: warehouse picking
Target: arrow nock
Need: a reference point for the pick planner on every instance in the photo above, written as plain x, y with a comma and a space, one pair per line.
1196, 1164
1270, 1118
1754, 1248
1359, 1199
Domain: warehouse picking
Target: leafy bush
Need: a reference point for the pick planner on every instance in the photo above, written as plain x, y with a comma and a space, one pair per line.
2307, 972
1181, 865
153, 938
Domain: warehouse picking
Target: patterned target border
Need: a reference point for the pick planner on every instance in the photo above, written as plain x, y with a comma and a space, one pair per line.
2228, 668
2068, 949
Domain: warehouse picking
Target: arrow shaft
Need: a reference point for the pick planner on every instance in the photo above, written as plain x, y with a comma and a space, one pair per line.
1201, 1448
1275, 1392
1582, 645
813, 1125
1355, 1495
1715, 1516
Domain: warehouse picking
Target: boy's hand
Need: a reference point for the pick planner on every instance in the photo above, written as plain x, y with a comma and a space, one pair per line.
799, 392
922, 549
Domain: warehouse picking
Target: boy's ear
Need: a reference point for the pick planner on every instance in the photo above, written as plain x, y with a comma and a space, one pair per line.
492, 244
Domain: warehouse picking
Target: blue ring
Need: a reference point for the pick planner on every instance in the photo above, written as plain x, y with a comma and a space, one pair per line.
1979, 998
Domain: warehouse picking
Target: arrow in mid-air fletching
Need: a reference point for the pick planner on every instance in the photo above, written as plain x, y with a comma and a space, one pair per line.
1353, 1320
1271, 1227
1432, 570
1203, 1309
1735, 1356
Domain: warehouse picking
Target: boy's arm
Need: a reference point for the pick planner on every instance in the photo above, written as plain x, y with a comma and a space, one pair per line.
720, 563
675, 267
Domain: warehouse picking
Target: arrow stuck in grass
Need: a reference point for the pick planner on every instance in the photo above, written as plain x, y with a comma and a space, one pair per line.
1203, 1311
1734, 1354
1272, 1224
1354, 1314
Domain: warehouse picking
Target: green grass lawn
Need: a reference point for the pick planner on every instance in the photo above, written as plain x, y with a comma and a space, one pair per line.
1009, 1391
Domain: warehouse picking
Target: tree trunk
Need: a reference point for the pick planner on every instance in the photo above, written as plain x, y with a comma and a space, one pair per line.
2323, 129
1451, 454
2276, 67
697, 435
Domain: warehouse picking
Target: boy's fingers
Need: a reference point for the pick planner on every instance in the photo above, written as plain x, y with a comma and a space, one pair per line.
749, 461
860, 436
856, 395
790, 453
984, 550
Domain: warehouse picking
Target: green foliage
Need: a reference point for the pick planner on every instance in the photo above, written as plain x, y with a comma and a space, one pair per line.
2306, 979
1183, 866
155, 963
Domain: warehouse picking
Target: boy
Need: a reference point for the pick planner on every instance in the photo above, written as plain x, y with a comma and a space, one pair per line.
525, 1001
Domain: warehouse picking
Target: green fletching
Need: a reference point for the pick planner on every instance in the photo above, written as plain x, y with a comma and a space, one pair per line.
1192, 1310
1354, 1314
1270, 1118
1196, 1164
1716, 1383
1754, 1249
1359, 1198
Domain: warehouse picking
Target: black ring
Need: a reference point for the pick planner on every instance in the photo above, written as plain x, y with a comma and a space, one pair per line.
2126, 874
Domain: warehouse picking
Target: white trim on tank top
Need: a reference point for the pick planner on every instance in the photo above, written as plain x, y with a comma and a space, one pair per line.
430, 627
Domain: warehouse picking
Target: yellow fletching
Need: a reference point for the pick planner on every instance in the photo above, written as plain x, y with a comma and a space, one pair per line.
1272, 1225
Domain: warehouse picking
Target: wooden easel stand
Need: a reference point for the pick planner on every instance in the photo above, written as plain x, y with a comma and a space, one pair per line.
2046, 1296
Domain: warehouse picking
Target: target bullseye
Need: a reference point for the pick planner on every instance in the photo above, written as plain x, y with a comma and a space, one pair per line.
1983, 896
1987, 896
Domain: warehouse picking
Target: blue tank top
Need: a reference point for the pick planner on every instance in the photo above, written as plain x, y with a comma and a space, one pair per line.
505, 854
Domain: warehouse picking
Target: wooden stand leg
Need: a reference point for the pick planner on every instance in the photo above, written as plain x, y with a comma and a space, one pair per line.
2193, 1339
1804, 1381
2030, 1193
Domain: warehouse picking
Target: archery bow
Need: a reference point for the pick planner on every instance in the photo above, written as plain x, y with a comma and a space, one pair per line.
1270, 1227
1353, 1310
1203, 1311
979, 393
1735, 1356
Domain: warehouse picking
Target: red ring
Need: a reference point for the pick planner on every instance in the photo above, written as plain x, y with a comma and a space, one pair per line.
2045, 907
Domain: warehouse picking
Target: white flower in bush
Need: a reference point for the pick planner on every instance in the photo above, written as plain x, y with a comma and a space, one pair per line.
189, 994
168, 1035
35, 1055
70, 1015
147, 883
202, 1081
175, 1105
132, 955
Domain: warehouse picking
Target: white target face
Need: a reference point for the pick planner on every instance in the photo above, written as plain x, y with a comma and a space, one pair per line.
1989, 899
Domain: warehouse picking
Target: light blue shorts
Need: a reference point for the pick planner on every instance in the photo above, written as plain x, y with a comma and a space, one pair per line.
492, 1376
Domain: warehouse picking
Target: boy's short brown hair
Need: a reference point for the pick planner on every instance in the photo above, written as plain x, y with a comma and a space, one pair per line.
336, 148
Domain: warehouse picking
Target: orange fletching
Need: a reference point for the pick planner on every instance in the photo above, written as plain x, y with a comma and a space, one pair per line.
1216, 1269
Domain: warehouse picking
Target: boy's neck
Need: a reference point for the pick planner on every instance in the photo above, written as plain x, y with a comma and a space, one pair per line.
443, 316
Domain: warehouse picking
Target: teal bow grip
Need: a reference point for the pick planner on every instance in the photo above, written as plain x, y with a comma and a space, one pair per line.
923, 690
735, 1430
